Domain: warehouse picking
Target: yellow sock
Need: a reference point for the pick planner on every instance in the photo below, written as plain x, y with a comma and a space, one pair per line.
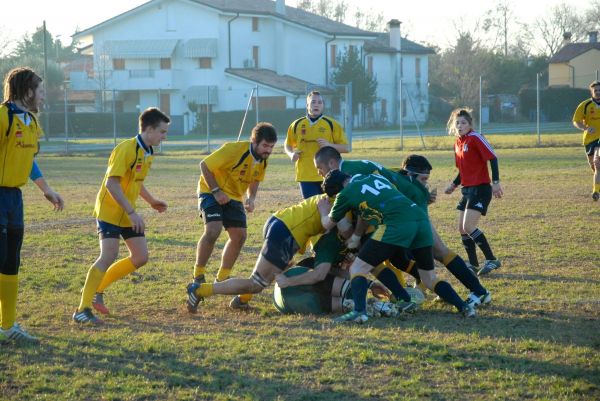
199, 271
205, 290
116, 271
596, 187
93, 279
398, 272
245, 298
9, 287
223, 274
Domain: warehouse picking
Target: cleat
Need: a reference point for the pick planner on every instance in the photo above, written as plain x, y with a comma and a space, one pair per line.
468, 311
479, 300
406, 307
473, 268
200, 279
17, 334
595, 196
352, 317
236, 303
193, 299
488, 266
86, 316
98, 303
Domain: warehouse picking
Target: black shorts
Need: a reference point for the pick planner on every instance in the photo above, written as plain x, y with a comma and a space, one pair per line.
107, 230
279, 246
591, 147
476, 198
376, 252
232, 214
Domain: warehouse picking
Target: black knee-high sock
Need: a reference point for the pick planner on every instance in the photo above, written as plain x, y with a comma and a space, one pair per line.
447, 293
457, 266
360, 286
389, 279
469, 245
479, 238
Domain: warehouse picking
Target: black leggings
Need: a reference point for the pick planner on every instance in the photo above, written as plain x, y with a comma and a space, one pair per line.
11, 240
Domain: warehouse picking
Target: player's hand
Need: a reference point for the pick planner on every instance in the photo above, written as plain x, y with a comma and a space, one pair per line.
282, 281
323, 142
249, 205
55, 199
137, 223
450, 188
324, 206
379, 291
497, 190
221, 197
159, 205
353, 242
432, 195
296, 155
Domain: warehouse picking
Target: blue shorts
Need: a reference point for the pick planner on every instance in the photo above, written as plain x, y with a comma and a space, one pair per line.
11, 208
107, 230
231, 214
279, 246
310, 188
591, 147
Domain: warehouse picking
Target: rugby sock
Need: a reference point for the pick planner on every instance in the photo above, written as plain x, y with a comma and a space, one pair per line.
479, 237
223, 274
116, 271
199, 271
469, 245
360, 286
92, 281
596, 187
245, 298
457, 266
390, 280
447, 293
398, 272
9, 287
205, 290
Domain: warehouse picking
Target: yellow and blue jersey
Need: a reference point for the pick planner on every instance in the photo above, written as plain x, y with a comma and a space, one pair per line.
302, 135
234, 168
130, 161
588, 111
303, 219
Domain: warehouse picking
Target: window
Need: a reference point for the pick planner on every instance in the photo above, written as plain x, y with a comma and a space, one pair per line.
165, 103
254, 24
165, 63
118, 64
418, 68
333, 55
370, 65
205, 62
255, 56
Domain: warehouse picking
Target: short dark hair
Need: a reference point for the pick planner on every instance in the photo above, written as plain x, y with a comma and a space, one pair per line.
327, 153
334, 182
17, 84
595, 83
416, 164
152, 117
264, 132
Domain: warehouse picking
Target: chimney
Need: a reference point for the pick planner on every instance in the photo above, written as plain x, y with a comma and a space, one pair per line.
394, 27
280, 7
593, 35
566, 38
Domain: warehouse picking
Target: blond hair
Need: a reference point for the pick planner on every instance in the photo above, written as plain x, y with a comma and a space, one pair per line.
460, 112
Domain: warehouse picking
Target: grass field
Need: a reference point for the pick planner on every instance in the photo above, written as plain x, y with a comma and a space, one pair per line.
538, 340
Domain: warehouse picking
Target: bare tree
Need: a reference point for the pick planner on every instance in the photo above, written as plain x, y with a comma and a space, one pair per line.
550, 28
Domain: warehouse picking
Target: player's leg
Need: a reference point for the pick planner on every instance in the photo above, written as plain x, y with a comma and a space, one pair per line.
467, 241
138, 257
212, 215
476, 207
596, 167
234, 221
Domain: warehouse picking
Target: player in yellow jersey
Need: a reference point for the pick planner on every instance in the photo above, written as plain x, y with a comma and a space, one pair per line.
226, 191
306, 136
587, 118
19, 134
285, 233
116, 214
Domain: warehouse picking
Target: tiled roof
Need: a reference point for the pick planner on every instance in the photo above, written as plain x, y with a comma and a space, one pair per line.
270, 78
572, 50
381, 44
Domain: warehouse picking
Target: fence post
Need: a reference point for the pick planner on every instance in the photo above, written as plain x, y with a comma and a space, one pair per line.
537, 101
65, 84
256, 104
208, 118
480, 102
400, 118
349, 114
114, 119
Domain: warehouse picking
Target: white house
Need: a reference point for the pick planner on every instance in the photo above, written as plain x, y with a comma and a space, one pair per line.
169, 53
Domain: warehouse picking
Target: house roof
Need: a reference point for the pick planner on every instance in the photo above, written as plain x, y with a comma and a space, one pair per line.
381, 44
265, 7
285, 83
572, 50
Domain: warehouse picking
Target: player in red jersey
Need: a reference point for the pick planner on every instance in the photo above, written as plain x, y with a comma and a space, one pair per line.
472, 152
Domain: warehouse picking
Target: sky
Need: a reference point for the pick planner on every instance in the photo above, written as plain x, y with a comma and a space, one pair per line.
428, 22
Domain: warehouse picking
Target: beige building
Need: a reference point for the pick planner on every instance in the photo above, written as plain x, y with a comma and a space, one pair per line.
575, 65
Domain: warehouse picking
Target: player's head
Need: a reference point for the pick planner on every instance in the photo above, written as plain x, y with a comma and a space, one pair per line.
263, 140
314, 104
334, 182
153, 125
595, 89
24, 86
326, 159
417, 166
460, 122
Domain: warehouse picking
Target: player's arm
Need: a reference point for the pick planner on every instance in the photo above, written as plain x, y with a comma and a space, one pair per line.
453, 184
251, 196
220, 196
290, 145
324, 207
496, 187
359, 230
312, 276
113, 186
339, 141
156, 204
38, 179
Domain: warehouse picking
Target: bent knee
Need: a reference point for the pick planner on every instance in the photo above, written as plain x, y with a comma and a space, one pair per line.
139, 260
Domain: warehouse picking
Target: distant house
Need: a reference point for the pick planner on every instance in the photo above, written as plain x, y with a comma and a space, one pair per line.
170, 53
575, 65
